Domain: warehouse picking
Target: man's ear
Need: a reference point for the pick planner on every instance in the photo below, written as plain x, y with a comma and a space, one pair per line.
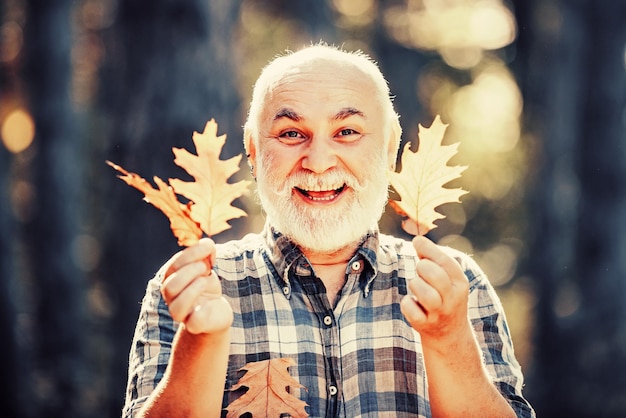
249, 145
393, 142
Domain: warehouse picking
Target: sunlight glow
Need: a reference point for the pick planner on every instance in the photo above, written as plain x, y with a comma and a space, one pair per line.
484, 116
459, 30
488, 110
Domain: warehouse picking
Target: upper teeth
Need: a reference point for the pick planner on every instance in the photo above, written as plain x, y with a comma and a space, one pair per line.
319, 188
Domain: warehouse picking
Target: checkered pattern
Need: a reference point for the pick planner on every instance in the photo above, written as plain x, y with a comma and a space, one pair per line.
359, 358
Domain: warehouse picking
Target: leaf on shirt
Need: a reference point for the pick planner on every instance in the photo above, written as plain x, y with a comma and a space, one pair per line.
267, 394
420, 183
210, 195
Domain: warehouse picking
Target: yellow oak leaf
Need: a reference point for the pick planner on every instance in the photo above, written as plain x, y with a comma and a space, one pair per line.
211, 194
183, 226
267, 394
420, 183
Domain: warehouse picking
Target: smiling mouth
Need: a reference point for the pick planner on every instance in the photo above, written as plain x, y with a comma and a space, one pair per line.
321, 195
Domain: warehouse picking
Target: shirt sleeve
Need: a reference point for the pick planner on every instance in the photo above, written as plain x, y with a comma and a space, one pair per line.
492, 332
151, 347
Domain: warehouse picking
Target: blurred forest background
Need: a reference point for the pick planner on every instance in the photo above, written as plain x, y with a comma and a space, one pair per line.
534, 91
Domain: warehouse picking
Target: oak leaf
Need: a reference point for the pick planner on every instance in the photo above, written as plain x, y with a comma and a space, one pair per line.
420, 183
183, 226
210, 195
267, 394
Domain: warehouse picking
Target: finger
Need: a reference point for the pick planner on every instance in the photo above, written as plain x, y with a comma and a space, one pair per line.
412, 311
427, 297
211, 315
186, 301
214, 286
177, 281
201, 287
203, 250
426, 249
434, 275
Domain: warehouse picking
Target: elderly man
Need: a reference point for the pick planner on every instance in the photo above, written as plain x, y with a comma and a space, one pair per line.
377, 326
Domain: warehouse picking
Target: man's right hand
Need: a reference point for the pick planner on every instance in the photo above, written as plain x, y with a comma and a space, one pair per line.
193, 382
193, 291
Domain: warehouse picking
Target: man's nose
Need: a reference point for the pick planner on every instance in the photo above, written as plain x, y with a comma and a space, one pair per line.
320, 155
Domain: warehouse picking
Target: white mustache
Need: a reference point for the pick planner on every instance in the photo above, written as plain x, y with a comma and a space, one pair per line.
330, 180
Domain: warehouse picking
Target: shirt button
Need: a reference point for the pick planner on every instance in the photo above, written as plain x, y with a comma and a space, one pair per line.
355, 265
332, 390
286, 290
328, 320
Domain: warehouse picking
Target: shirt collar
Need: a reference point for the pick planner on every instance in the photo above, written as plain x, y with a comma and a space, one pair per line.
283, 252
285, 255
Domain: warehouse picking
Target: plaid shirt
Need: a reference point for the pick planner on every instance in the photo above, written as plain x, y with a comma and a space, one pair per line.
359, 358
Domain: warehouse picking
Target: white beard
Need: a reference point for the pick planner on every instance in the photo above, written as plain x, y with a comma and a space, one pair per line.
324, 229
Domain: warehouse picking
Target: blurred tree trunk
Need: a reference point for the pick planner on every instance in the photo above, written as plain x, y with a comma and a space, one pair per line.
168, 70
11, 381
56, 283
575, 96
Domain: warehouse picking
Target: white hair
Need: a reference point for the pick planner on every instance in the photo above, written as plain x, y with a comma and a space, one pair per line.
284, 64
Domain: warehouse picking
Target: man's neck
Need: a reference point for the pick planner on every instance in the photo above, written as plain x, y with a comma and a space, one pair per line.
341, 256
330, 267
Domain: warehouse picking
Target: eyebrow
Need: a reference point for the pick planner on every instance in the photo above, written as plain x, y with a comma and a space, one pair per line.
344, 113
287, 113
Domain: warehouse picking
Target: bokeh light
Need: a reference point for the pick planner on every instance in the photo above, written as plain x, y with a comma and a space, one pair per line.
353, 8
354, 13
11, 40
18, 131
488, 110
23, 197
86, 252
458, 29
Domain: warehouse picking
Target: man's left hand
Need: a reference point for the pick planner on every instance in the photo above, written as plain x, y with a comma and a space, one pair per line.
436, 305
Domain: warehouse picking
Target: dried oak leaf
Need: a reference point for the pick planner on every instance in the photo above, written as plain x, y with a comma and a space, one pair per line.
210, 196
183, 226
420, 183
267, 395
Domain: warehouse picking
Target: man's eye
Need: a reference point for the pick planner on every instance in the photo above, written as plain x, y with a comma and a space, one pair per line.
347, 132
291, 134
